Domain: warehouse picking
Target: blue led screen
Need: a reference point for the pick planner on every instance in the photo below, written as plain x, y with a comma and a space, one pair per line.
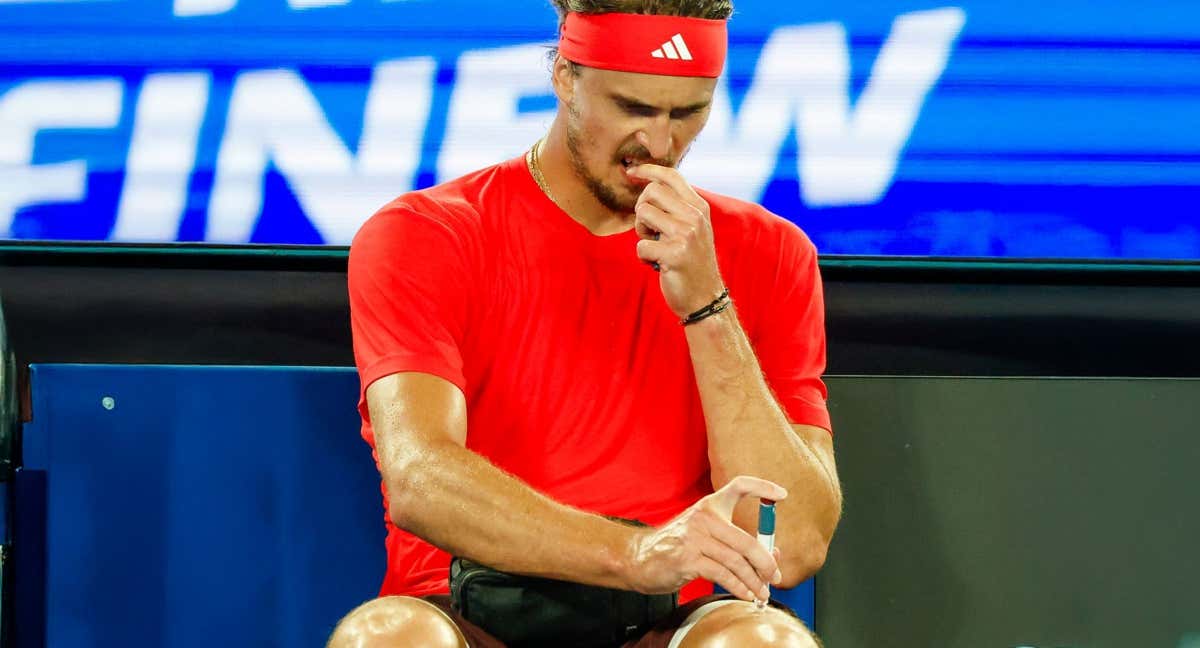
894, 127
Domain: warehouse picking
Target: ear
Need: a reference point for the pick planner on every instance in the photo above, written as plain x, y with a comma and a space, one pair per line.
563, 78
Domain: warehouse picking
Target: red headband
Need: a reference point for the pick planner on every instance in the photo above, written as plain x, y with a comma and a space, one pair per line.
668, 45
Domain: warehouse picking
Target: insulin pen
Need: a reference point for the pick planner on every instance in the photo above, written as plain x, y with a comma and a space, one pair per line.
766, 533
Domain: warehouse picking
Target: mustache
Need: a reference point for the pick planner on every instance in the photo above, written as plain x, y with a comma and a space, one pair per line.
640, 155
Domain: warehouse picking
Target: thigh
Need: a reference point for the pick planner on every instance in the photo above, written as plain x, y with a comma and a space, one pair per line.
476, 637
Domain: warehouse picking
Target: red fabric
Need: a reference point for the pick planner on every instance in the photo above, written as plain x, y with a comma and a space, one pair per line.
576, 375
668, 45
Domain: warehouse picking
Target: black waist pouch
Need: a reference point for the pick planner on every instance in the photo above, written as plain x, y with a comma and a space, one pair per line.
527, 612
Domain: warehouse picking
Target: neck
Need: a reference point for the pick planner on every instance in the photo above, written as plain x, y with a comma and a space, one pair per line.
571, 192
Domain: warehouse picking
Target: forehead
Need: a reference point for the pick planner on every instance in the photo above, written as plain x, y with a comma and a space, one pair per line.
651, 89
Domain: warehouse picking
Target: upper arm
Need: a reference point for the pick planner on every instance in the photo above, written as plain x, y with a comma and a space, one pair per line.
410, 285
411, 410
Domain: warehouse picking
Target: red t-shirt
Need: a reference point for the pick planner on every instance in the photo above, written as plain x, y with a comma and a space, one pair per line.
576, 374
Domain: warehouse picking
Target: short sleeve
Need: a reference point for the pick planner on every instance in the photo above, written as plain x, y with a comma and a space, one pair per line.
790, 343
408, 281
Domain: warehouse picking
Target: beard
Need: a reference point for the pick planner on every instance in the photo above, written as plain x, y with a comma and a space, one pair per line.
604, 193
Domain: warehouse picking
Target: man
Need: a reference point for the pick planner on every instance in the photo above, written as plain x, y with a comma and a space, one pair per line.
553, 342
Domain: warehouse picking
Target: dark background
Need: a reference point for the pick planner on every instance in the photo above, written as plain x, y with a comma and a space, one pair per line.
257, 305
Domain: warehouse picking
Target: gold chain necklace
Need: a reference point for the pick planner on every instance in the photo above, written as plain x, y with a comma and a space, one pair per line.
535, 169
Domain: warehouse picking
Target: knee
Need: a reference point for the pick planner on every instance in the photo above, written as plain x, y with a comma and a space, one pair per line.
396, 621
741, 624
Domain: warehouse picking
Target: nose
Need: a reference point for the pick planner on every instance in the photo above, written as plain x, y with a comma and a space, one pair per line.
656, 137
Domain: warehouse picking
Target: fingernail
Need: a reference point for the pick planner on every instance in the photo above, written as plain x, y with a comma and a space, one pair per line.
766, 593
777, 577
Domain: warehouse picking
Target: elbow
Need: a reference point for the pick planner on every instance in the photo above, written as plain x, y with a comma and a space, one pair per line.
802, 564
413, 481
404, 501
400, 511
802, 559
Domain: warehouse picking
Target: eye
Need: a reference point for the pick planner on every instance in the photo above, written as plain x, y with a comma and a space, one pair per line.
685, 113
641, 111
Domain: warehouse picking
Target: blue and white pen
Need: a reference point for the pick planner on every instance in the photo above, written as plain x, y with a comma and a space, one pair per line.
766, 533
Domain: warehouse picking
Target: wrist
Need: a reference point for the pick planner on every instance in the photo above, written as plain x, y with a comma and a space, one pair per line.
715, 307
624, 556
716, 339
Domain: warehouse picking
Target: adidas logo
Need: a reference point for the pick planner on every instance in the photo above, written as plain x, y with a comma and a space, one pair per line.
674, 49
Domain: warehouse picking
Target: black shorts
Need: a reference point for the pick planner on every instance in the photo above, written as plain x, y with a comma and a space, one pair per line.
658, 637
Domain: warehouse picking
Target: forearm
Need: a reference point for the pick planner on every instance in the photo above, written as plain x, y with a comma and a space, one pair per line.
749, 434
460, 502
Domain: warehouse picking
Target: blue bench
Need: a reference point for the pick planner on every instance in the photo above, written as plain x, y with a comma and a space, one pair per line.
187, 506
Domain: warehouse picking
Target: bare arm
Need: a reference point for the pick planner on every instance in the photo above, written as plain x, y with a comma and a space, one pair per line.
748, 433
457, 500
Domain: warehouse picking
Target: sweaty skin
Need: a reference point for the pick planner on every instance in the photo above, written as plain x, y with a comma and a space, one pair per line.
397, 621
740, 625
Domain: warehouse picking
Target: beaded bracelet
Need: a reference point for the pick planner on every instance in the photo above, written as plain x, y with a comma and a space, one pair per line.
716, 306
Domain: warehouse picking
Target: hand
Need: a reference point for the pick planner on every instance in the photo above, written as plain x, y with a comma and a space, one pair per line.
703, 542
676, 231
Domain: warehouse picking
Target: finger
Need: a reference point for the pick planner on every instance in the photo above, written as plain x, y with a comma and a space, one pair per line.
646, 232
649, 221
753, 554
668, 176
736, 563
652, 252
724, 500
714, 571
669, 200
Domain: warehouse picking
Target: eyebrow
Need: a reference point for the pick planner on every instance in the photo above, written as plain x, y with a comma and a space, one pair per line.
629, 102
